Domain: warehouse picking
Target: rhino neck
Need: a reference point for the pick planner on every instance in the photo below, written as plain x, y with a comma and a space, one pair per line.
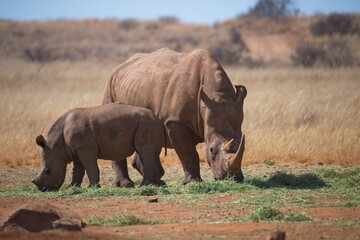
56, 138
200, 114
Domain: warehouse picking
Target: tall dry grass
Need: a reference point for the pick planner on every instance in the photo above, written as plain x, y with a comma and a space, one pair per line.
33, 96
292, 115
296, 115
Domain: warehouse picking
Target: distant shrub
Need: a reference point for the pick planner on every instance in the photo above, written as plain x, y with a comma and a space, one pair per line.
229, 47
338, 54
169, 20
333, 53
39, 54
335, 23
308, 54
128, 24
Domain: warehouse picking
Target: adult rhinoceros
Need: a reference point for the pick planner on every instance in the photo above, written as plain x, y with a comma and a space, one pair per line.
194, 98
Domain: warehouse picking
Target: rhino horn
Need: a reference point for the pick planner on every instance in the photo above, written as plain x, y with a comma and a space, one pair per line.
229, 145
234, 162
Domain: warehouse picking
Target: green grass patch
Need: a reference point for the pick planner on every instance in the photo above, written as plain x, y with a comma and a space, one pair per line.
269, 214
344, 177
279, 189
214, 187
269, 162
348, 223
297, 217
119, 219
265, 214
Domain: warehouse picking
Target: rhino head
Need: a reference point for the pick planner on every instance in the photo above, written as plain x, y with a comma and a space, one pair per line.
53, 166
224, 140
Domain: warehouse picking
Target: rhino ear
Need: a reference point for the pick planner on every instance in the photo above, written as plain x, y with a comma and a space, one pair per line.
241, 93
40, 140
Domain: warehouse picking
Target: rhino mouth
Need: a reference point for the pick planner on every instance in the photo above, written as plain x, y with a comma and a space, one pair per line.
47, 188
223, 176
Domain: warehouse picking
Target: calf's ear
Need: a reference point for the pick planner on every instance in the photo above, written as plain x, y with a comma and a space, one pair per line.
40, 140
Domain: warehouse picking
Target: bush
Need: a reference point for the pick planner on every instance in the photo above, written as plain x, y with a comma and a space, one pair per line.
307, 55
39, 54
228, 47
333, 53
332, 24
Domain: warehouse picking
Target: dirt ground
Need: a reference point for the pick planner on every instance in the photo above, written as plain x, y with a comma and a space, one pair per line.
183, 213
184, 218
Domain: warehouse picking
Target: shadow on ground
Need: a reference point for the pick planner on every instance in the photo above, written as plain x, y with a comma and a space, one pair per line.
290, 181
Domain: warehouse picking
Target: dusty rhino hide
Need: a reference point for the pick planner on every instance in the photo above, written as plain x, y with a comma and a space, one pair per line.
37, 217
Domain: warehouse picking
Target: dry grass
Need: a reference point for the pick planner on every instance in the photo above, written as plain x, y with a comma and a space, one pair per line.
291, 115
301, 115
33, 96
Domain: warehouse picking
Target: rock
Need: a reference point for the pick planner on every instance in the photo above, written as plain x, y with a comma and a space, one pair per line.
37, 217
153, 200
278, 235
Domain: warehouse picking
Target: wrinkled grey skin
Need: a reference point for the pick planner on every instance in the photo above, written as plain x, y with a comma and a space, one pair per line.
111, 132
194, 98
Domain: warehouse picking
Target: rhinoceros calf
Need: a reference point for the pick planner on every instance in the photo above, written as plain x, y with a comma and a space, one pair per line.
112, 132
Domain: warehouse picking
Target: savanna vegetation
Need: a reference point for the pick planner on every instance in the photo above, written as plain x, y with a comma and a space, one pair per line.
303, 102
301, 120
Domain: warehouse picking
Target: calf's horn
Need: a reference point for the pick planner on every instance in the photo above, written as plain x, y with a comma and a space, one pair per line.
234, 163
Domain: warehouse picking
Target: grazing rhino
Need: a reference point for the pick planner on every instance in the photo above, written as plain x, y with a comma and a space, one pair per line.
194, 98
112, 131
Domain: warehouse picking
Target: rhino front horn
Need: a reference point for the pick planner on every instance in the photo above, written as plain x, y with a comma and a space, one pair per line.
234, 163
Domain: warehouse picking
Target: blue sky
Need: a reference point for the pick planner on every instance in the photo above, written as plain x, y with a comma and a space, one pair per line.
188, 11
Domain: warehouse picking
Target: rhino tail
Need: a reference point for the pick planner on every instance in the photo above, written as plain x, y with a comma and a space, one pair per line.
108, 91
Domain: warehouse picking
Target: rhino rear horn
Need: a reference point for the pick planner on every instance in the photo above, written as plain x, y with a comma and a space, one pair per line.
241, 92
40, 140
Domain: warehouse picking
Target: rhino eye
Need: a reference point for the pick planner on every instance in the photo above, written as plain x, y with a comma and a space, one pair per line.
47, 171
213, 152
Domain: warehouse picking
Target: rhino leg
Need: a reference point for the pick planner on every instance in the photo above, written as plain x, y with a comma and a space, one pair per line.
183, 141
88, 158
122, 178
137, 164
77, 174
148, 144
239, 177
153, 170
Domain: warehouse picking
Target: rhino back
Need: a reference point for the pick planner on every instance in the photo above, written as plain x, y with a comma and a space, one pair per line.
167, 82
109, 128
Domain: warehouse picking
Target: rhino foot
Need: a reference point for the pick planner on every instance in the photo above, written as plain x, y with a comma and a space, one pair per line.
97, 185
161, 183
191, 179
123, 184
239, 177
74, 184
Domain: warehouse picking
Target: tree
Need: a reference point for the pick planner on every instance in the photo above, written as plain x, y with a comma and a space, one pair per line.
273, 8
